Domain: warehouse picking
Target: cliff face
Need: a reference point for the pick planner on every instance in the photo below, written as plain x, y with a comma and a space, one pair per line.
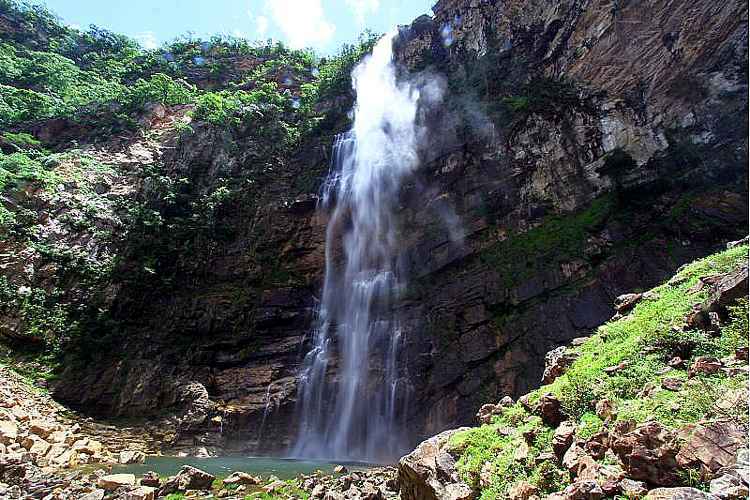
583, 149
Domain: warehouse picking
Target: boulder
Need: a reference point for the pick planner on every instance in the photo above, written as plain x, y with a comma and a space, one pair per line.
550, 410
426, 474
679, 494
42, 428
522, 490
572, 457
114, 481
8, 432
140, 493
632, 488
556, 362
704, 365
729, 487
150, 478
648, 454
242, 478
97, 494
340, 469
606, 409
131, 457
627, 302
583, 490
563, 438
712, 446
189, 478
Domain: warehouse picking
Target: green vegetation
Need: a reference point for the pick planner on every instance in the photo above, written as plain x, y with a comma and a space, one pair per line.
556, 239
641, 343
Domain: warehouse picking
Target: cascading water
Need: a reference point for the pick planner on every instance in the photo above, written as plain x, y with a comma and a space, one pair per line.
357, 411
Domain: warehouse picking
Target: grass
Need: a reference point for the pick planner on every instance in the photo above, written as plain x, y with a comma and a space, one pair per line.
644, 342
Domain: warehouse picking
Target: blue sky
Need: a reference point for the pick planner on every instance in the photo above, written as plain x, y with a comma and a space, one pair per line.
321, 24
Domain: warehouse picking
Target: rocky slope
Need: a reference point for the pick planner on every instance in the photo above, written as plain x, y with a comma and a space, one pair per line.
654, 405
582, 150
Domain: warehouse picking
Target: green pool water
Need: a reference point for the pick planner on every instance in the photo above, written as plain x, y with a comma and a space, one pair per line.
223, 466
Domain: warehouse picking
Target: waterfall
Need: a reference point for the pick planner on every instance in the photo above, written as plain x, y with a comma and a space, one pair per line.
356, 411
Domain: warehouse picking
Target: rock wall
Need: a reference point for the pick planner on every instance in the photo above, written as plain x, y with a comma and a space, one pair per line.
584, 149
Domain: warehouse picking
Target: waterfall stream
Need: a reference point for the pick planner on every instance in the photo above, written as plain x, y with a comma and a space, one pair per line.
352, 395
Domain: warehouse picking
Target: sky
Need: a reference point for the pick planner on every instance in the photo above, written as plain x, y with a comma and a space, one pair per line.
323, 25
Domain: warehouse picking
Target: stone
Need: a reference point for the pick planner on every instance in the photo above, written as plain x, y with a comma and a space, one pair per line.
189, 478
572, 457
550, 410
583, 490
522, 490
150, 478
605, 409
741, 353
274, 487
563, 437
114, 481
19, 414
318, 491
42, 428
68, 458
633, 489
8, 432
556, 363
676, 362
627, 302
729, 487
140, 493
704, 365
679, 494
340, 469
131, 457
421, 478
97, 494
610, 370
712, 446
598, 444
521, 452
57, 437
241, 478
648, 454
672, 383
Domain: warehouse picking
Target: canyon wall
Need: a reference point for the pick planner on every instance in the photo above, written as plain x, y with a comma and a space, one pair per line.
585, 149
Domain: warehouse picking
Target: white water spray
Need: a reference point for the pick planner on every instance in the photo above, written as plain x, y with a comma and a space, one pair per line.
357, 411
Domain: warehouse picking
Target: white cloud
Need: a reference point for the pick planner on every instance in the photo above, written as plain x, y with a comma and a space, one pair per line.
261, 27
147, 39
302, 22
362, 8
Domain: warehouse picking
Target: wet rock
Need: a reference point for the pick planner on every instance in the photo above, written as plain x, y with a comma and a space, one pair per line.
556, 362
679, 494
114, 481
563, 437
648, 454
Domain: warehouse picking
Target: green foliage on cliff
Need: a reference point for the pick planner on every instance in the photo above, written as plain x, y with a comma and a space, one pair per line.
556, 239
640, 345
